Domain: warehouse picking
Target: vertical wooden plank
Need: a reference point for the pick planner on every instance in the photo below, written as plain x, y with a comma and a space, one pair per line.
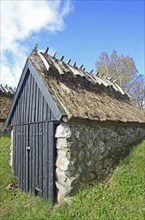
45, 189
20, 104
51, 161
19, 157
14, 150
24, 101
27, 98
30, 98
40, 106
27, 159
16, 114
20, 107
45, 162
17, 149
44, 114
37, 104
18, 110
40, 159
13, 122
34, 159
30, 157
37, 156
48, 114
19, 162
24, 157
33, 100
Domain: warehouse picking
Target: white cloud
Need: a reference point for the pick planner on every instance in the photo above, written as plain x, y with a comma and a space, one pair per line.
19, 20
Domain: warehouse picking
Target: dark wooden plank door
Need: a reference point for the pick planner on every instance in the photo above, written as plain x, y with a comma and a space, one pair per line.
34, 158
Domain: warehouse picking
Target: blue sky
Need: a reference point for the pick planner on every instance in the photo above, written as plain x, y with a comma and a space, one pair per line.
81, 30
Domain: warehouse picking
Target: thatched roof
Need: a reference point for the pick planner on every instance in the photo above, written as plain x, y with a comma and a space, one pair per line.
6, 95
7, 90
84, 95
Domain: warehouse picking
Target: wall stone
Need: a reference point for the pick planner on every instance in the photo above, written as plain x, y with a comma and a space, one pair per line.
87, 153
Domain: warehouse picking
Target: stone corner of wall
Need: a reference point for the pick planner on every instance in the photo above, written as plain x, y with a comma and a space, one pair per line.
63, 131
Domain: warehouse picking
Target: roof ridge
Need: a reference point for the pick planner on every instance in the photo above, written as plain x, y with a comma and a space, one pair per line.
62, 67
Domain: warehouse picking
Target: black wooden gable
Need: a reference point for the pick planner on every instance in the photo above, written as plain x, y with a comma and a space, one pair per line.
33, 101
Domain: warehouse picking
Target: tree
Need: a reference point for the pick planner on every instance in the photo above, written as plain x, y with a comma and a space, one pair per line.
124, 70
138, 95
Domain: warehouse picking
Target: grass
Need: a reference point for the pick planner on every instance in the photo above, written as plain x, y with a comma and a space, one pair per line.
122, 198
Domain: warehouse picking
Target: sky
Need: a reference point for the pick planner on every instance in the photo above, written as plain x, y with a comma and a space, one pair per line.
78, 29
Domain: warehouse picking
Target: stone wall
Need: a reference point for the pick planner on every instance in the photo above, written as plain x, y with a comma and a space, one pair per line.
87, 153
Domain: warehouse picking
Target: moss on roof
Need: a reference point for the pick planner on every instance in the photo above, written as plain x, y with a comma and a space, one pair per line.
81, 96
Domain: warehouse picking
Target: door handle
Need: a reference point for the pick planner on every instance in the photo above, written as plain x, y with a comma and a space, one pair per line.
28, 148
38, 189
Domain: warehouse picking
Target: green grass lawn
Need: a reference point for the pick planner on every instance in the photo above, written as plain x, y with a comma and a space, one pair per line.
123, 197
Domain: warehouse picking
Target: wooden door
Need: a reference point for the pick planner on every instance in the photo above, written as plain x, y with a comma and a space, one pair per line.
33, 158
